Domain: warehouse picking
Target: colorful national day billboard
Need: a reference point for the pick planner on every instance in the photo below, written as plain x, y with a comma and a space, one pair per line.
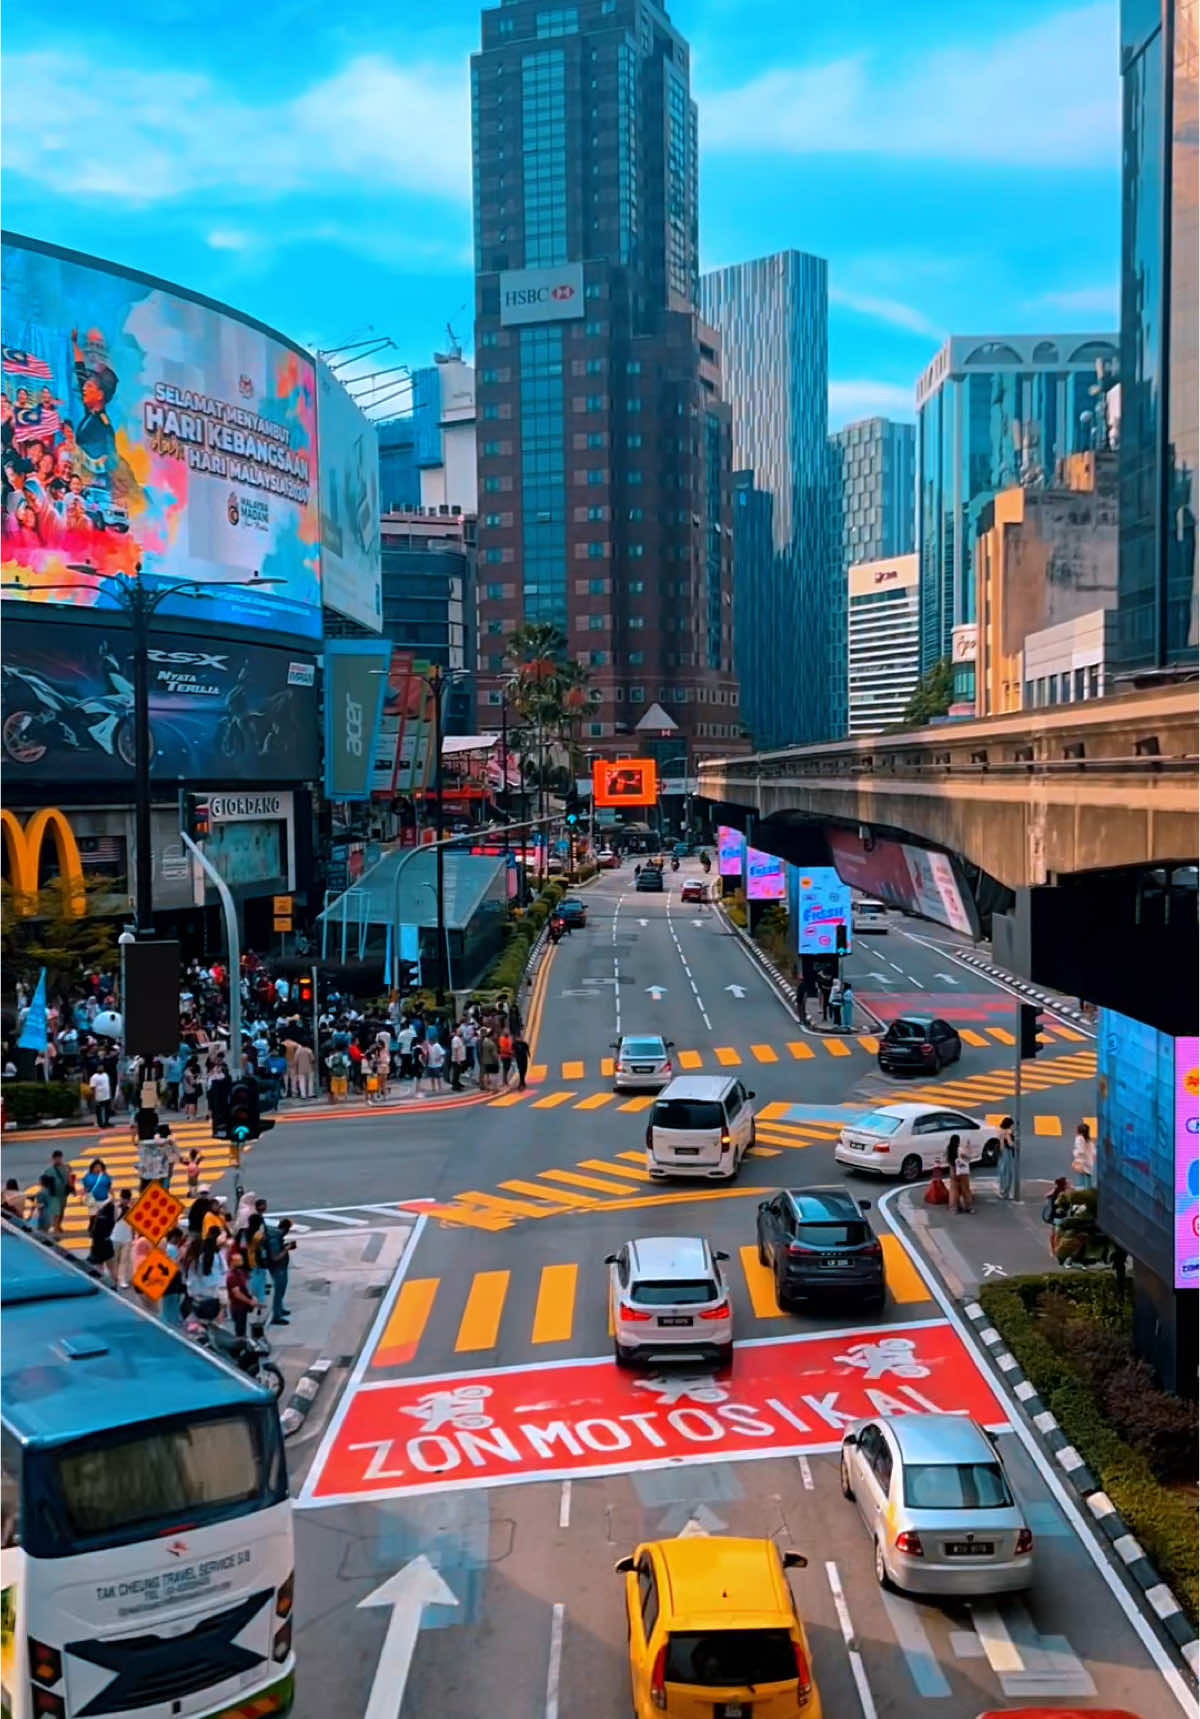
350, 565
731, 848
143, 426
627, 782
822, 903
766, 876
1187, 1163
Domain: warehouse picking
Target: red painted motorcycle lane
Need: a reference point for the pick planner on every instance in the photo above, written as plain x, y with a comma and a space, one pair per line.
566, 1419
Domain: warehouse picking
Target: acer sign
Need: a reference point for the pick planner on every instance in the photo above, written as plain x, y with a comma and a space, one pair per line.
541, 295
355, 683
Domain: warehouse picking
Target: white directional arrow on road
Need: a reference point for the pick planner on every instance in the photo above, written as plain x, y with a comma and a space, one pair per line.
408, 1592
948, 977
697, 922
657, 992
643, 923
738, 990
882, 977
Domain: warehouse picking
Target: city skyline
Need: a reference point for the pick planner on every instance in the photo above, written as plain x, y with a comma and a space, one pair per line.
274, 204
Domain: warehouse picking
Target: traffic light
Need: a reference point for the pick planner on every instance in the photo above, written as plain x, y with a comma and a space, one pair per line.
245, 1121
1031, 1026
194, 818
572, 820
408, 976
304, 989
841, 940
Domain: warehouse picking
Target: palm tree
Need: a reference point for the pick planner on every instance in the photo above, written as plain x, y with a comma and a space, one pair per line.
545, 687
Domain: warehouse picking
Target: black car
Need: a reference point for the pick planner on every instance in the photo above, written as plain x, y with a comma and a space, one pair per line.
818, 1240
572, 911
918, 1044
650, 877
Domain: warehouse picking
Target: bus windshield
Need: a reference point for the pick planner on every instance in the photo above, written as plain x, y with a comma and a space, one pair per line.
149, 1480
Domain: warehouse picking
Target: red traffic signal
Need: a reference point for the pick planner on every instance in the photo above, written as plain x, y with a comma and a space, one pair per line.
304, 989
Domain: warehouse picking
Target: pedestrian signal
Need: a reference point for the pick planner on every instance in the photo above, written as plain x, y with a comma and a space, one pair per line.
304, 989
1031, 1026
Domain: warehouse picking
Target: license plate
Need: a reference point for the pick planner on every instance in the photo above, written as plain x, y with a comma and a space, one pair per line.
731, 1710
687, 1151
970, 1548
643, 1068
840, 1260
675, 1319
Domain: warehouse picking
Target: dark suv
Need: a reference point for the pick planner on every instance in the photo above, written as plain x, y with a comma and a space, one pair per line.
918, 1044
818, 1240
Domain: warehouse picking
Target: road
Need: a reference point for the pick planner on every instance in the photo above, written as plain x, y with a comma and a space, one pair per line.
486, 1430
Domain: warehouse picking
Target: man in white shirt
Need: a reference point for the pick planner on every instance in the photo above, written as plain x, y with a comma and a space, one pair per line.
102, 1097
405, 1039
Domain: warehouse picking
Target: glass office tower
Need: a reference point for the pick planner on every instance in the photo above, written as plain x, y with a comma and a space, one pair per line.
789, 593
1156, 601
876, 472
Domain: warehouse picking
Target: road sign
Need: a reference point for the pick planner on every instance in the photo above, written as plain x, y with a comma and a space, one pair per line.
155, 1271
281, 906
281, 923
155, 1213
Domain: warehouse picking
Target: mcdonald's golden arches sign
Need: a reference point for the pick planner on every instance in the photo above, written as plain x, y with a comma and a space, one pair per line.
24, 850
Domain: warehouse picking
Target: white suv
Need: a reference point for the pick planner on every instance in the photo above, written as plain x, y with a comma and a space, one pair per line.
668, 1300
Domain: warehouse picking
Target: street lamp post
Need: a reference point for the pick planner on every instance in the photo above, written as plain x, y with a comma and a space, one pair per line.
437, 685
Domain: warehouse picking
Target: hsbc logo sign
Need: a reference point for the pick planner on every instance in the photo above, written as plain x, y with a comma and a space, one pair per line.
541, 295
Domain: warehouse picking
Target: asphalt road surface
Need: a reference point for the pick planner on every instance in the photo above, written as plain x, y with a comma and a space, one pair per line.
464, 1498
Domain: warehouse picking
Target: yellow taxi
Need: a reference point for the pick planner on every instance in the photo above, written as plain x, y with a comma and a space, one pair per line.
714, 1632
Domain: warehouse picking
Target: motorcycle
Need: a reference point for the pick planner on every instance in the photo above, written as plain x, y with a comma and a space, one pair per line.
249, 1354
41, 717
557, 928
674, 865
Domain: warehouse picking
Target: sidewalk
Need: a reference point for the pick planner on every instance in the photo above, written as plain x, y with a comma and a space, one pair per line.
1000, 1238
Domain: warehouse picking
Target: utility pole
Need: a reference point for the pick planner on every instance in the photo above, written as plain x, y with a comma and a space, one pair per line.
1017, 1111
438, 686
143, 912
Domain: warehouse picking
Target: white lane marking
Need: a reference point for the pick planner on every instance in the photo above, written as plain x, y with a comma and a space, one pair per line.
1128, 1605
686, 968
336, 1218
564, 1505
1000, 1648
554, 1669
617, 964
857, 1670
806, 1479
915, 982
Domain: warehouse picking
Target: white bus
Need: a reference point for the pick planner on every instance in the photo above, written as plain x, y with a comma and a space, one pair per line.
147, 1563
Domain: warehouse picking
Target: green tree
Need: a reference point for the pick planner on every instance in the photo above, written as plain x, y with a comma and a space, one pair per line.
51, 936
546, 688
932, 696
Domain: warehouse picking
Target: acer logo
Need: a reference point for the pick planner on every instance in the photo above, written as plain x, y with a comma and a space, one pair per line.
354, 727
201, 659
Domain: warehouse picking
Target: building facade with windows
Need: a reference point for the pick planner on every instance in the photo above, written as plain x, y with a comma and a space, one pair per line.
603, 443
992, 411
429, 598
883, 651
1160, 441
874, 489
789, 598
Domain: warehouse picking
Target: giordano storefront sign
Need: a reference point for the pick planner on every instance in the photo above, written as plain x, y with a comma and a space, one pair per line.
24, 850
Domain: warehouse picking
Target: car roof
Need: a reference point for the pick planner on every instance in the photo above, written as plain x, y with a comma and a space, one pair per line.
917, 1020
670, 1256
910, 1110
940, 1438
712, 1574
823, 1205
712, 1086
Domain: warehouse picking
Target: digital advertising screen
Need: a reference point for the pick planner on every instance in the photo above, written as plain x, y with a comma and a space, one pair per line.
350, 566
356, 676
1138, 1138
145, 427
220, 712
822, 903
766, 876
917, 880
1187, 1163
731, 846
627, 782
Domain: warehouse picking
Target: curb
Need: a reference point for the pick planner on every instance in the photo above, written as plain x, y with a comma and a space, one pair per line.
1033, 992
1140, 1572
301, 1401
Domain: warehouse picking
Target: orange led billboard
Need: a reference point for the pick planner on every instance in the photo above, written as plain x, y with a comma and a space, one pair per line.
625, 782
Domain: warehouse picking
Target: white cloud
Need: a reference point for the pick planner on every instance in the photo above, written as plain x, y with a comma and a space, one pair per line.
230, 239
851, 400
891, 310
372, 126
1043, 97
1102, 300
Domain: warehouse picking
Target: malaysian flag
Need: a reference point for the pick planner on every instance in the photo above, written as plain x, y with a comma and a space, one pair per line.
18, 363
35, 423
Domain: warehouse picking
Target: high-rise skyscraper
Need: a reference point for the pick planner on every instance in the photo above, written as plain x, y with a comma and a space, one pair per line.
789, 597
1159, 441
992, 410
603, 445
875, 478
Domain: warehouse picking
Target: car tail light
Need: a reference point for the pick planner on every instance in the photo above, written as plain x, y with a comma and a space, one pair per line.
726, 1142
282, 1644
926, 1050
881, 1146
803, 1674
45, 1663
874, 1250
48, 1706
658, 1678
667, 1066
798, 1248
720, 1311
283, 1599
910, 1543
622, 1068
633, 1315
1024, 1541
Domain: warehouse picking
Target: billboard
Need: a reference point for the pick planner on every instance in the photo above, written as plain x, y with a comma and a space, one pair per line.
730, 848
541, 295
356, 672
821, 903
917, 880
1187, 1163
402, 757
219, 712
146, 427
766, 876
627, 782
1136, 1156
350, 564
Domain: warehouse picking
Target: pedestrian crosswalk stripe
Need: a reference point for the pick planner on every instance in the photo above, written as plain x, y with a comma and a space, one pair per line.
537, 1072
785, 1140
554, 1315
763, 1053
635, 1104
798, 1049
1002, 1034
869, 1042
549, 1200
401, 1337
762, 1152
572, 1071
969, 1037
480, 1323
552, 1100
836, 1047
596, 1102
727, 1056
573, 1179
760, 1284
690, 1059
632, 1157
613, 1169
508, 1099
1050, 1126
770, 1112
1068, 1033
606, 1067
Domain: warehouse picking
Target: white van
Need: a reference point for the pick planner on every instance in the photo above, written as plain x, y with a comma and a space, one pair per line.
869, 915
701, 1125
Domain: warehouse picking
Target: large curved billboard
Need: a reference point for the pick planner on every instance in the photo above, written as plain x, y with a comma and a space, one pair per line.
142, 426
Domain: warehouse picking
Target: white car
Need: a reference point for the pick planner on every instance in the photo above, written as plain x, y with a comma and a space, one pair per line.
869, 916
642, 1061
907, 1140
668, 1300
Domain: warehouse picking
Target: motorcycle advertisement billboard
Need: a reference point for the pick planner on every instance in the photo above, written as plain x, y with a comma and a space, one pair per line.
219, 712
146, 427
351, 571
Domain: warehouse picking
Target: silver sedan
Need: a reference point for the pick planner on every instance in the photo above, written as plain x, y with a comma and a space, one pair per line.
938, 1505
641, 1063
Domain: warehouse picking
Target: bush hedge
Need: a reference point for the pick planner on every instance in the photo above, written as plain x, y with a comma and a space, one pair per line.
30, 1101
1073, 1337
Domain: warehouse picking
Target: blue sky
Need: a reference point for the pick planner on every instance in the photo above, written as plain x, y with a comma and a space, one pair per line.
957, 163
